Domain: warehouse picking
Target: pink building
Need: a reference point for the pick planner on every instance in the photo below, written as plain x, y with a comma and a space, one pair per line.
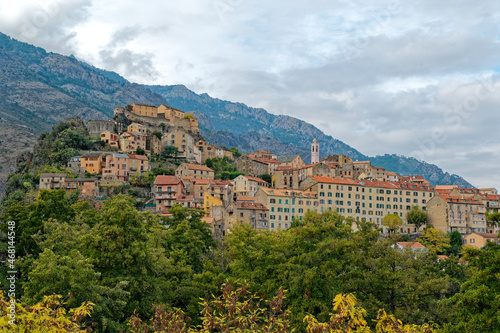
166, 190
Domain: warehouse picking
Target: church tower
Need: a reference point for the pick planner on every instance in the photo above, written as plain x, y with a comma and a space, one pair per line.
315, 152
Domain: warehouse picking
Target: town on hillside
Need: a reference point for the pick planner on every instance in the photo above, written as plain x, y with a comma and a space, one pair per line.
264, 190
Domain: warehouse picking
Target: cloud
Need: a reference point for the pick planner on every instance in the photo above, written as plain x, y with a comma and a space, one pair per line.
48, 24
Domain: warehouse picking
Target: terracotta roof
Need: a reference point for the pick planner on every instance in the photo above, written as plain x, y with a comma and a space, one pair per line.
486, 235
138, 157
356, 182
255, 179
361, 162
439, 191
411, 244
196, 167
221, 182
242, 198
188, 178
267, 161
442, 256
308, 166
285, 167
289, 193
462, 200
415, 186
166, 180
491, 197
250, 205
209, 220
390, 173
446, 187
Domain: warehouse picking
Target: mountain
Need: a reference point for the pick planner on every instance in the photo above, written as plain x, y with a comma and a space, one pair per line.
38, 89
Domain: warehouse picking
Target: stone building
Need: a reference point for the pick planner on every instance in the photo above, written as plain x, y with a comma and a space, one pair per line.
96, 127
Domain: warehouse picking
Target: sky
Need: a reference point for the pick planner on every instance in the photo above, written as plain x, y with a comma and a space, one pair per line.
417, 78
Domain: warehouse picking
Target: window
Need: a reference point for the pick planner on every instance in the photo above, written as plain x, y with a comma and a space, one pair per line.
272, 200
472, 240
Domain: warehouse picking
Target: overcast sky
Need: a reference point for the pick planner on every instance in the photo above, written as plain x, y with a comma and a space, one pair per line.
414, 78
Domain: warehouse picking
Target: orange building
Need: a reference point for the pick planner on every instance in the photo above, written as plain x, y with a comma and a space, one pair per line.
93, 162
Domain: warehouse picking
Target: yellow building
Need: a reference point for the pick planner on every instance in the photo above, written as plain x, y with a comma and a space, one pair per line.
112, 139
285, 205
130, 141
209, 202
479, 240
93, 162
294, 161
369, 200
169, 113
144, 110
181, 139
136, 127
196, 171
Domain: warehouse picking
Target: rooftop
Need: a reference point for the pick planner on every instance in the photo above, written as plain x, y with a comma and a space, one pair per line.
195, 167
44, 175
166, 180
410, 244
250, 205
288, 193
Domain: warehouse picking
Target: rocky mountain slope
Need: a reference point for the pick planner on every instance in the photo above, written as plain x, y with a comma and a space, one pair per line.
39, 89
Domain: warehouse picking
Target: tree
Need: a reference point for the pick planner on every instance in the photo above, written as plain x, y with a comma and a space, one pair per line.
455, 243
49, 315
157, 134
435, 240
417, 216
235, 310
393, 222
189, 116
71, 275
494, 217
348, 317
169, 151
140, 151
266, 177
235, 151
476, 308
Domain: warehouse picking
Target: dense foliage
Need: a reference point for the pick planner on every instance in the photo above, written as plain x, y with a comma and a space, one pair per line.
135, 266
224, 168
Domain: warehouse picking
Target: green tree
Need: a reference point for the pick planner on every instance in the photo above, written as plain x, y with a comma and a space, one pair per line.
70, 275
417, 216
476, 308
494, 217
455, 243
157, 134
435, 240
169, 151
140, 151
393, 222
266, 177
235, 151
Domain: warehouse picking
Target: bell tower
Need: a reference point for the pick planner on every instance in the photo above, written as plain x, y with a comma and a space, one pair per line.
315, 152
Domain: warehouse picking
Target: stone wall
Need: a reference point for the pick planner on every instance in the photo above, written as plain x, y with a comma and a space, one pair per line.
188, 124
96, 127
